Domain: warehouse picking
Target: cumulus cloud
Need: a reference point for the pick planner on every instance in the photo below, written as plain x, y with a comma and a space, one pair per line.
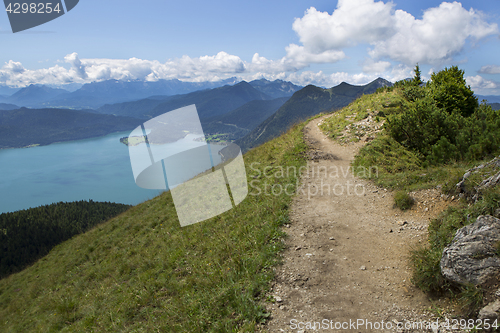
371, 66
490, 69
76, 65
14, 74
393, 34
478, 83
401, 72
205, 68
329, 80
352, 22
437, 37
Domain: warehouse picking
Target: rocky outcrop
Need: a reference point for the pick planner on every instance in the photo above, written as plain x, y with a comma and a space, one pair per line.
491, 312
472, 255
474, 193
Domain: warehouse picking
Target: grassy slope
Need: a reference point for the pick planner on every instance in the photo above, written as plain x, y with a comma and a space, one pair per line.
304, 104
142, 272
399, 168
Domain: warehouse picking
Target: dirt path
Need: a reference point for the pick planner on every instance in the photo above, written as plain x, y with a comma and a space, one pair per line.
347, 255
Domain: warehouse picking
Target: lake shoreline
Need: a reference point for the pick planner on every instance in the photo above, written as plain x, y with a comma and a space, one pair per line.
60, 141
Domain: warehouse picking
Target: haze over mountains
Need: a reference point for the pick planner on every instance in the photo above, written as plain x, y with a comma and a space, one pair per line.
96, 94
18, 131
249, 113
259, 110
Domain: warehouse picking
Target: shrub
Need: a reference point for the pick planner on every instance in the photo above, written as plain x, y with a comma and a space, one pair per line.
426, 269
451, 93
403, 200
440, 137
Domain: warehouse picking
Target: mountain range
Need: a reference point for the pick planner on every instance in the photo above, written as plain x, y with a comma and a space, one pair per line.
490, 98
96, 94
209, 103
304, 104
249, 113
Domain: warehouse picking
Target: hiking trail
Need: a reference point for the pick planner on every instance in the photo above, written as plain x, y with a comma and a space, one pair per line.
347, 255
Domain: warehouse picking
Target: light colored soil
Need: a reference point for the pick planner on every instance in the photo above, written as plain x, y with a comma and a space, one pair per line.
348, 248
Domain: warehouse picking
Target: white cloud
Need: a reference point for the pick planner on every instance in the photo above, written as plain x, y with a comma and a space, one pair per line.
76, 65
490, 69
328, 80
441, 33
205, 68
437, 37
352, 22
371, 66
14, 74
479, 83
401, 72
262, 64
14, 67
302, 57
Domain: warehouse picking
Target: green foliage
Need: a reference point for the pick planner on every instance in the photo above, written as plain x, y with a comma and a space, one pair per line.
417, 80
27, 235
471, 299
433, 127
387, 155
451, 93
403, 200
142, 272
426, 270
413, 92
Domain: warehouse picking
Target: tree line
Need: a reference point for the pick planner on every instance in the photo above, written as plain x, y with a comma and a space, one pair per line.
27, 235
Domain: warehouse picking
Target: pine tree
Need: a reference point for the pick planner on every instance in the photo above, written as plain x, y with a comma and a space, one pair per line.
417, 79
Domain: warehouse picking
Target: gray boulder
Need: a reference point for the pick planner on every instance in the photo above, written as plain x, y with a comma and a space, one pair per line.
490, 311
471, 257
474, 193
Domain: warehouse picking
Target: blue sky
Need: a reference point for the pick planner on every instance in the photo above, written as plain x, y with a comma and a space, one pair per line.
319, 42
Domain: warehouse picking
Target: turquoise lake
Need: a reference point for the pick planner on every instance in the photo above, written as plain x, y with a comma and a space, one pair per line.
97, 169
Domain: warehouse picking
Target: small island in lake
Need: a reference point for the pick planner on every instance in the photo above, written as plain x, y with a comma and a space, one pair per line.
133, 140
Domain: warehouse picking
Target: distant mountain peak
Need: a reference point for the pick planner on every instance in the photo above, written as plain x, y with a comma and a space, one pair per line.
275, 89
305, 103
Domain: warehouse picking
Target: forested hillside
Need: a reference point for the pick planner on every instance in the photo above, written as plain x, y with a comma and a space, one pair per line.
24, 127
27, 235
237, 123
